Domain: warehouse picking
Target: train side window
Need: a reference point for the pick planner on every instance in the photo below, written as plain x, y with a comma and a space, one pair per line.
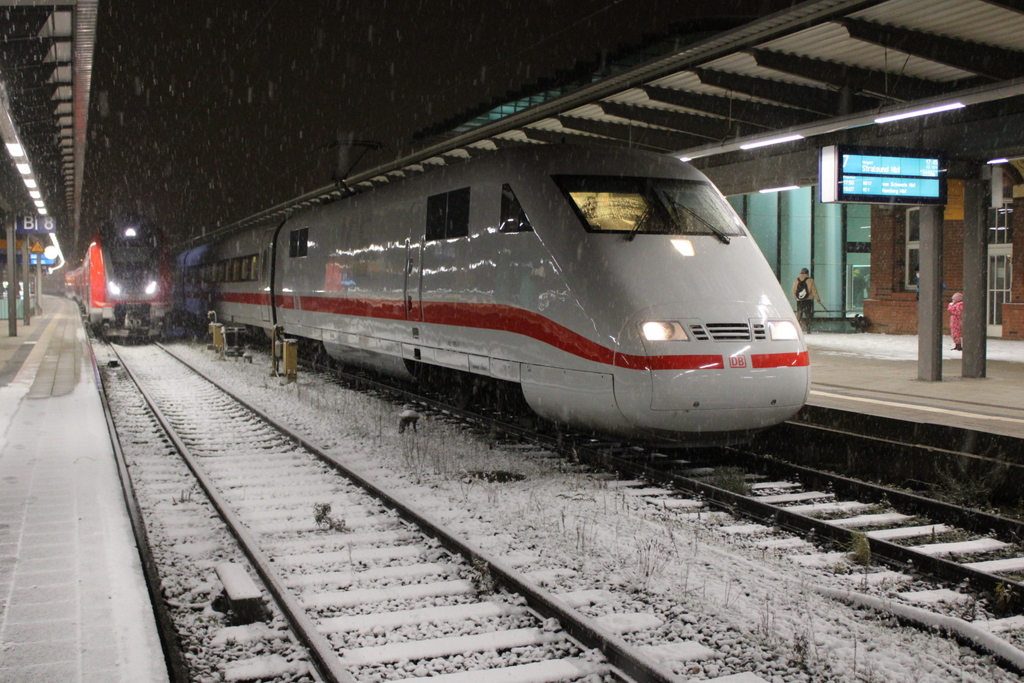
513, 218
254, 266
437, 216
457, 224
448, 215
245, 268
298, 242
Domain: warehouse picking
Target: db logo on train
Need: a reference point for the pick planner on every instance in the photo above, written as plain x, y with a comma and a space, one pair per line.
737, 361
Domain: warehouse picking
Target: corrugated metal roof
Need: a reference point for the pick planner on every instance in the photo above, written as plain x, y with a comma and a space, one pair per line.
818, 46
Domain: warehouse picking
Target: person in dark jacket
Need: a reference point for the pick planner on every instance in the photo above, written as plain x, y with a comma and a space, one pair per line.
806, 293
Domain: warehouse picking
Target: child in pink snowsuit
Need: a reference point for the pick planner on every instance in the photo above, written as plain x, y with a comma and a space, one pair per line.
956, 321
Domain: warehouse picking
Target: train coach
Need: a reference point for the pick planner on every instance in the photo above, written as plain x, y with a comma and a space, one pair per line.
616, 289
124, 284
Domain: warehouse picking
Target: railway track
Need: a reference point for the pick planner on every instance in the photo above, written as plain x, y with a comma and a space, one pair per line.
370, 588
897, 535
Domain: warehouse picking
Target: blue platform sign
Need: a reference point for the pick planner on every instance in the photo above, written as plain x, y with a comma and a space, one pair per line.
880, 175
35, 225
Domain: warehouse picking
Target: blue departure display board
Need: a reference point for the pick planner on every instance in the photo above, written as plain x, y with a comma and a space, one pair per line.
879, 175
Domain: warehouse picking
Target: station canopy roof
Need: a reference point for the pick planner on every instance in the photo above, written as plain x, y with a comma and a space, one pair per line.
816, 70
46, 52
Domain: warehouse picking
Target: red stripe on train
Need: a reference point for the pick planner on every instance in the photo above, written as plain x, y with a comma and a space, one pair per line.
503, 318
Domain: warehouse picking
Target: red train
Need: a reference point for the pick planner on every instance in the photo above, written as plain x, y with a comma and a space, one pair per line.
124, 284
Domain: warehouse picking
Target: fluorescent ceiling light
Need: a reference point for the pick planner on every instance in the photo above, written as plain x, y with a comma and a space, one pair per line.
920, 112
772, 141
1000, 160
42, 211
34, 194
39, 204
30, 183
779, 189
15, 150
685, 159
24, 169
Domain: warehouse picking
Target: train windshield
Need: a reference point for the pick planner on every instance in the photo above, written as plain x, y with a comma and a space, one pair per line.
660, 206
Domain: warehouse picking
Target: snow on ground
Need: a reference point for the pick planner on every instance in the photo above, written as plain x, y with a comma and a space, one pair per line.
732, 592
903, 346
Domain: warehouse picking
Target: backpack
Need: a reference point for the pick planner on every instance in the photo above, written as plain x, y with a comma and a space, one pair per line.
801, 289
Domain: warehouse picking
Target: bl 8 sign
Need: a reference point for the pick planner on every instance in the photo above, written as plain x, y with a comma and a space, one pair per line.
34, 225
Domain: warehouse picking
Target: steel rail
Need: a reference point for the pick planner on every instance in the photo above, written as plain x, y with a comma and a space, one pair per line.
323, 655
620, 654
177, 666
891, 554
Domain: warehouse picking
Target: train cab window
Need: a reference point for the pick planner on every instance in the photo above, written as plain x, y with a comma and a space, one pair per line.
298, 242
663, 206
513, 218
448, 215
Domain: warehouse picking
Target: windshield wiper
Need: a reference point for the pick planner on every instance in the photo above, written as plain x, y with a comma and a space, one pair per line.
717, 231
640, 223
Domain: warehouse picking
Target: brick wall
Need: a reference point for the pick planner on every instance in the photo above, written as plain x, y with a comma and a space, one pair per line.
892, 309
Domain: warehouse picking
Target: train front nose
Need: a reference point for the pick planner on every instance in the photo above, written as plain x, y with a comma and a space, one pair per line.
714, 374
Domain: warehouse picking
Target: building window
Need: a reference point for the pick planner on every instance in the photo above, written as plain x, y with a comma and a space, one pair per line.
1000, 224
298, 242
448, 215
913, 253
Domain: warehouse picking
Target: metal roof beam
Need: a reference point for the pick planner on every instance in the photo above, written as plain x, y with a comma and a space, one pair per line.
694, 124
880, 84
558, 137
819, 100
758, 113
656, 138
1012, 5
985, 60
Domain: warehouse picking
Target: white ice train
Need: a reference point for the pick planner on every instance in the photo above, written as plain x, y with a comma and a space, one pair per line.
617, 288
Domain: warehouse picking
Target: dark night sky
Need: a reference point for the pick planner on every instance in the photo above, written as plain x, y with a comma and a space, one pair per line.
206, 112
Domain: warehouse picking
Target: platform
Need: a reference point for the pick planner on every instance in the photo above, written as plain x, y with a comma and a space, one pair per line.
877, 375
73, 602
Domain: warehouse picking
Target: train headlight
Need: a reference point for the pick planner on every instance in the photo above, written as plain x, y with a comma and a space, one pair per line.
664, 331
114, 288
151, 287
783, 330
